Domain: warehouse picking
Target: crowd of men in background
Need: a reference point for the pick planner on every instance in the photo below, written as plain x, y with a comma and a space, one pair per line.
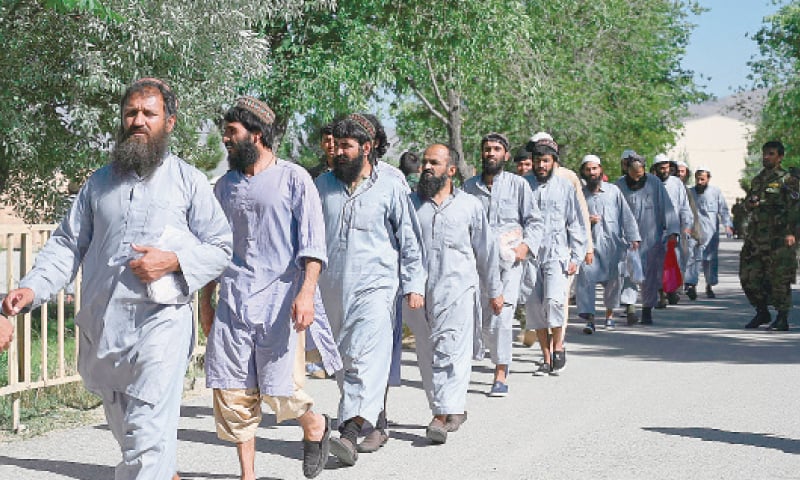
338, 259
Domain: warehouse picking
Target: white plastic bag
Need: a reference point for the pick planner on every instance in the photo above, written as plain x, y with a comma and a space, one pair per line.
633, 266
168, 290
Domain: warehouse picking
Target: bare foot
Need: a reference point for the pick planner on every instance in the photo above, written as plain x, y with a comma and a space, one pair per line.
314, 428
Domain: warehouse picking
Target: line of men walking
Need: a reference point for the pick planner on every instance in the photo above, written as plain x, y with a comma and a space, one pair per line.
338, 261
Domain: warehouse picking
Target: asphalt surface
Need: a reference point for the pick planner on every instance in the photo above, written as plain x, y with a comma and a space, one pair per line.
694, 396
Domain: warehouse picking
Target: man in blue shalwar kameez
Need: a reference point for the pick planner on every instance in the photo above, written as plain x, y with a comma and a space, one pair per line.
148, 232
267, 295
371, 229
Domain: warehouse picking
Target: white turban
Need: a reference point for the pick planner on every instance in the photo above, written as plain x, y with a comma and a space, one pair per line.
591, 158
541, 136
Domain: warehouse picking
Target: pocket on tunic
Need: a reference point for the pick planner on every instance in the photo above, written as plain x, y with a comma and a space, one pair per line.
367, 216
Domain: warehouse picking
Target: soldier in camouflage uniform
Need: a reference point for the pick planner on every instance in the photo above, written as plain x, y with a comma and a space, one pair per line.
767, 263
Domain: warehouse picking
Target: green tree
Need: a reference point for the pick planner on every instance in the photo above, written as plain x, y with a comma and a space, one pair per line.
65, 64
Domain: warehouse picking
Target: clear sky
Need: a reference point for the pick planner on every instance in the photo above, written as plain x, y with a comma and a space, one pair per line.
720, 46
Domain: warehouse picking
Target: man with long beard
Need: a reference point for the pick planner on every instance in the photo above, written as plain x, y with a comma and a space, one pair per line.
557, 259
679, 197
614, 230
517, 224
711, 209
267, 295
461, 258
657, 221
370, 227
148, 232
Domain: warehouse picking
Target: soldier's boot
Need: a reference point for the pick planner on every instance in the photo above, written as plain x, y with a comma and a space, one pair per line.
762, 317
781, 322
647, 315
662, 299
673, 298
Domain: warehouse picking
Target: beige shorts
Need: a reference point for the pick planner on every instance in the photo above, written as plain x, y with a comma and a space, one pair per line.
237, 412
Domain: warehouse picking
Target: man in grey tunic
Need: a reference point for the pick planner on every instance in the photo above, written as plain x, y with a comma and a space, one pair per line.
711, 209
680, 202
461, 258
148, 232
267, 294
614, 230
517, 224
557, 258
657, 222
370, 227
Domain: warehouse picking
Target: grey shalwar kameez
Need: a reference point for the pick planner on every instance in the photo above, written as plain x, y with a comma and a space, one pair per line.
508, 204
612, 236
711, 209
133, 351
656, 219
564, 242
276, 218
369, 233
461, 259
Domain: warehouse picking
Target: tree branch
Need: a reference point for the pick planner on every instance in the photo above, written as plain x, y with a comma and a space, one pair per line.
429, 106
435, 85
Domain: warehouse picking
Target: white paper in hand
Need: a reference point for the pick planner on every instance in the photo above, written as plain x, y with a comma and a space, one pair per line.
168, 290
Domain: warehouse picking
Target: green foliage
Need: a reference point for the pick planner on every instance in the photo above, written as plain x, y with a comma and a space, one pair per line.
778, 71
66, 63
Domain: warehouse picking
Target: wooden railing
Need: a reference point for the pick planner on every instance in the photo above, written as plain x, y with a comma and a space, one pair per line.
20, 242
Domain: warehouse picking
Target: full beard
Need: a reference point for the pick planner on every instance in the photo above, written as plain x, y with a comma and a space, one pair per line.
663, 176
544, 177
348, 169
490, 168
243, 155
429, 184
700, 189
592, 183
143, 157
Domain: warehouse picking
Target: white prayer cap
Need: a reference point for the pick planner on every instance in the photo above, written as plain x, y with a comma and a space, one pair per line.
590, 158
628, 154
541, 136
661, 158
683, 164
703, 168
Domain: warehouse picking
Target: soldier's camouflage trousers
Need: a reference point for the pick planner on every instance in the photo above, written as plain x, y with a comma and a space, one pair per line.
766, 275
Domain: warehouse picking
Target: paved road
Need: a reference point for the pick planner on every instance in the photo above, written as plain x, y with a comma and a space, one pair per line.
694, 396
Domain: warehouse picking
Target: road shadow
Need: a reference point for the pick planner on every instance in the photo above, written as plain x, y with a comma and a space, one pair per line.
80, 471
763, 440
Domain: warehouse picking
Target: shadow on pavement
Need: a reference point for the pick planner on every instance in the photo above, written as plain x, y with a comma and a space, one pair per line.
80, 471
285, 448
763, 440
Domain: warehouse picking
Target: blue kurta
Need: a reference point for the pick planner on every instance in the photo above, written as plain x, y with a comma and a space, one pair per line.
508, 205
126, 340
564, 243
461, 258
612, 235
656, 218
276, 218
369, 234
711, 210
133, 351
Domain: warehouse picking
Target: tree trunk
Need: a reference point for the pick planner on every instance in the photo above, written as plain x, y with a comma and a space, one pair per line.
465, 170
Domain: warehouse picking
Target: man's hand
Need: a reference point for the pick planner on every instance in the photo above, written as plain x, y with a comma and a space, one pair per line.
6, 333
729, 232
415, 300
687, 231
790, 240
593, 219
521, 252
589, 258
497, 304
154, 264
17, 300
572, 268
635, 245
303, 310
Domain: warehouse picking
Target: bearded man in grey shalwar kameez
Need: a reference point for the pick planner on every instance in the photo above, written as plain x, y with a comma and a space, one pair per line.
145, 227
267, 295
461, 259
657, 222
614, 230
517, 224
558, 257
370, 226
